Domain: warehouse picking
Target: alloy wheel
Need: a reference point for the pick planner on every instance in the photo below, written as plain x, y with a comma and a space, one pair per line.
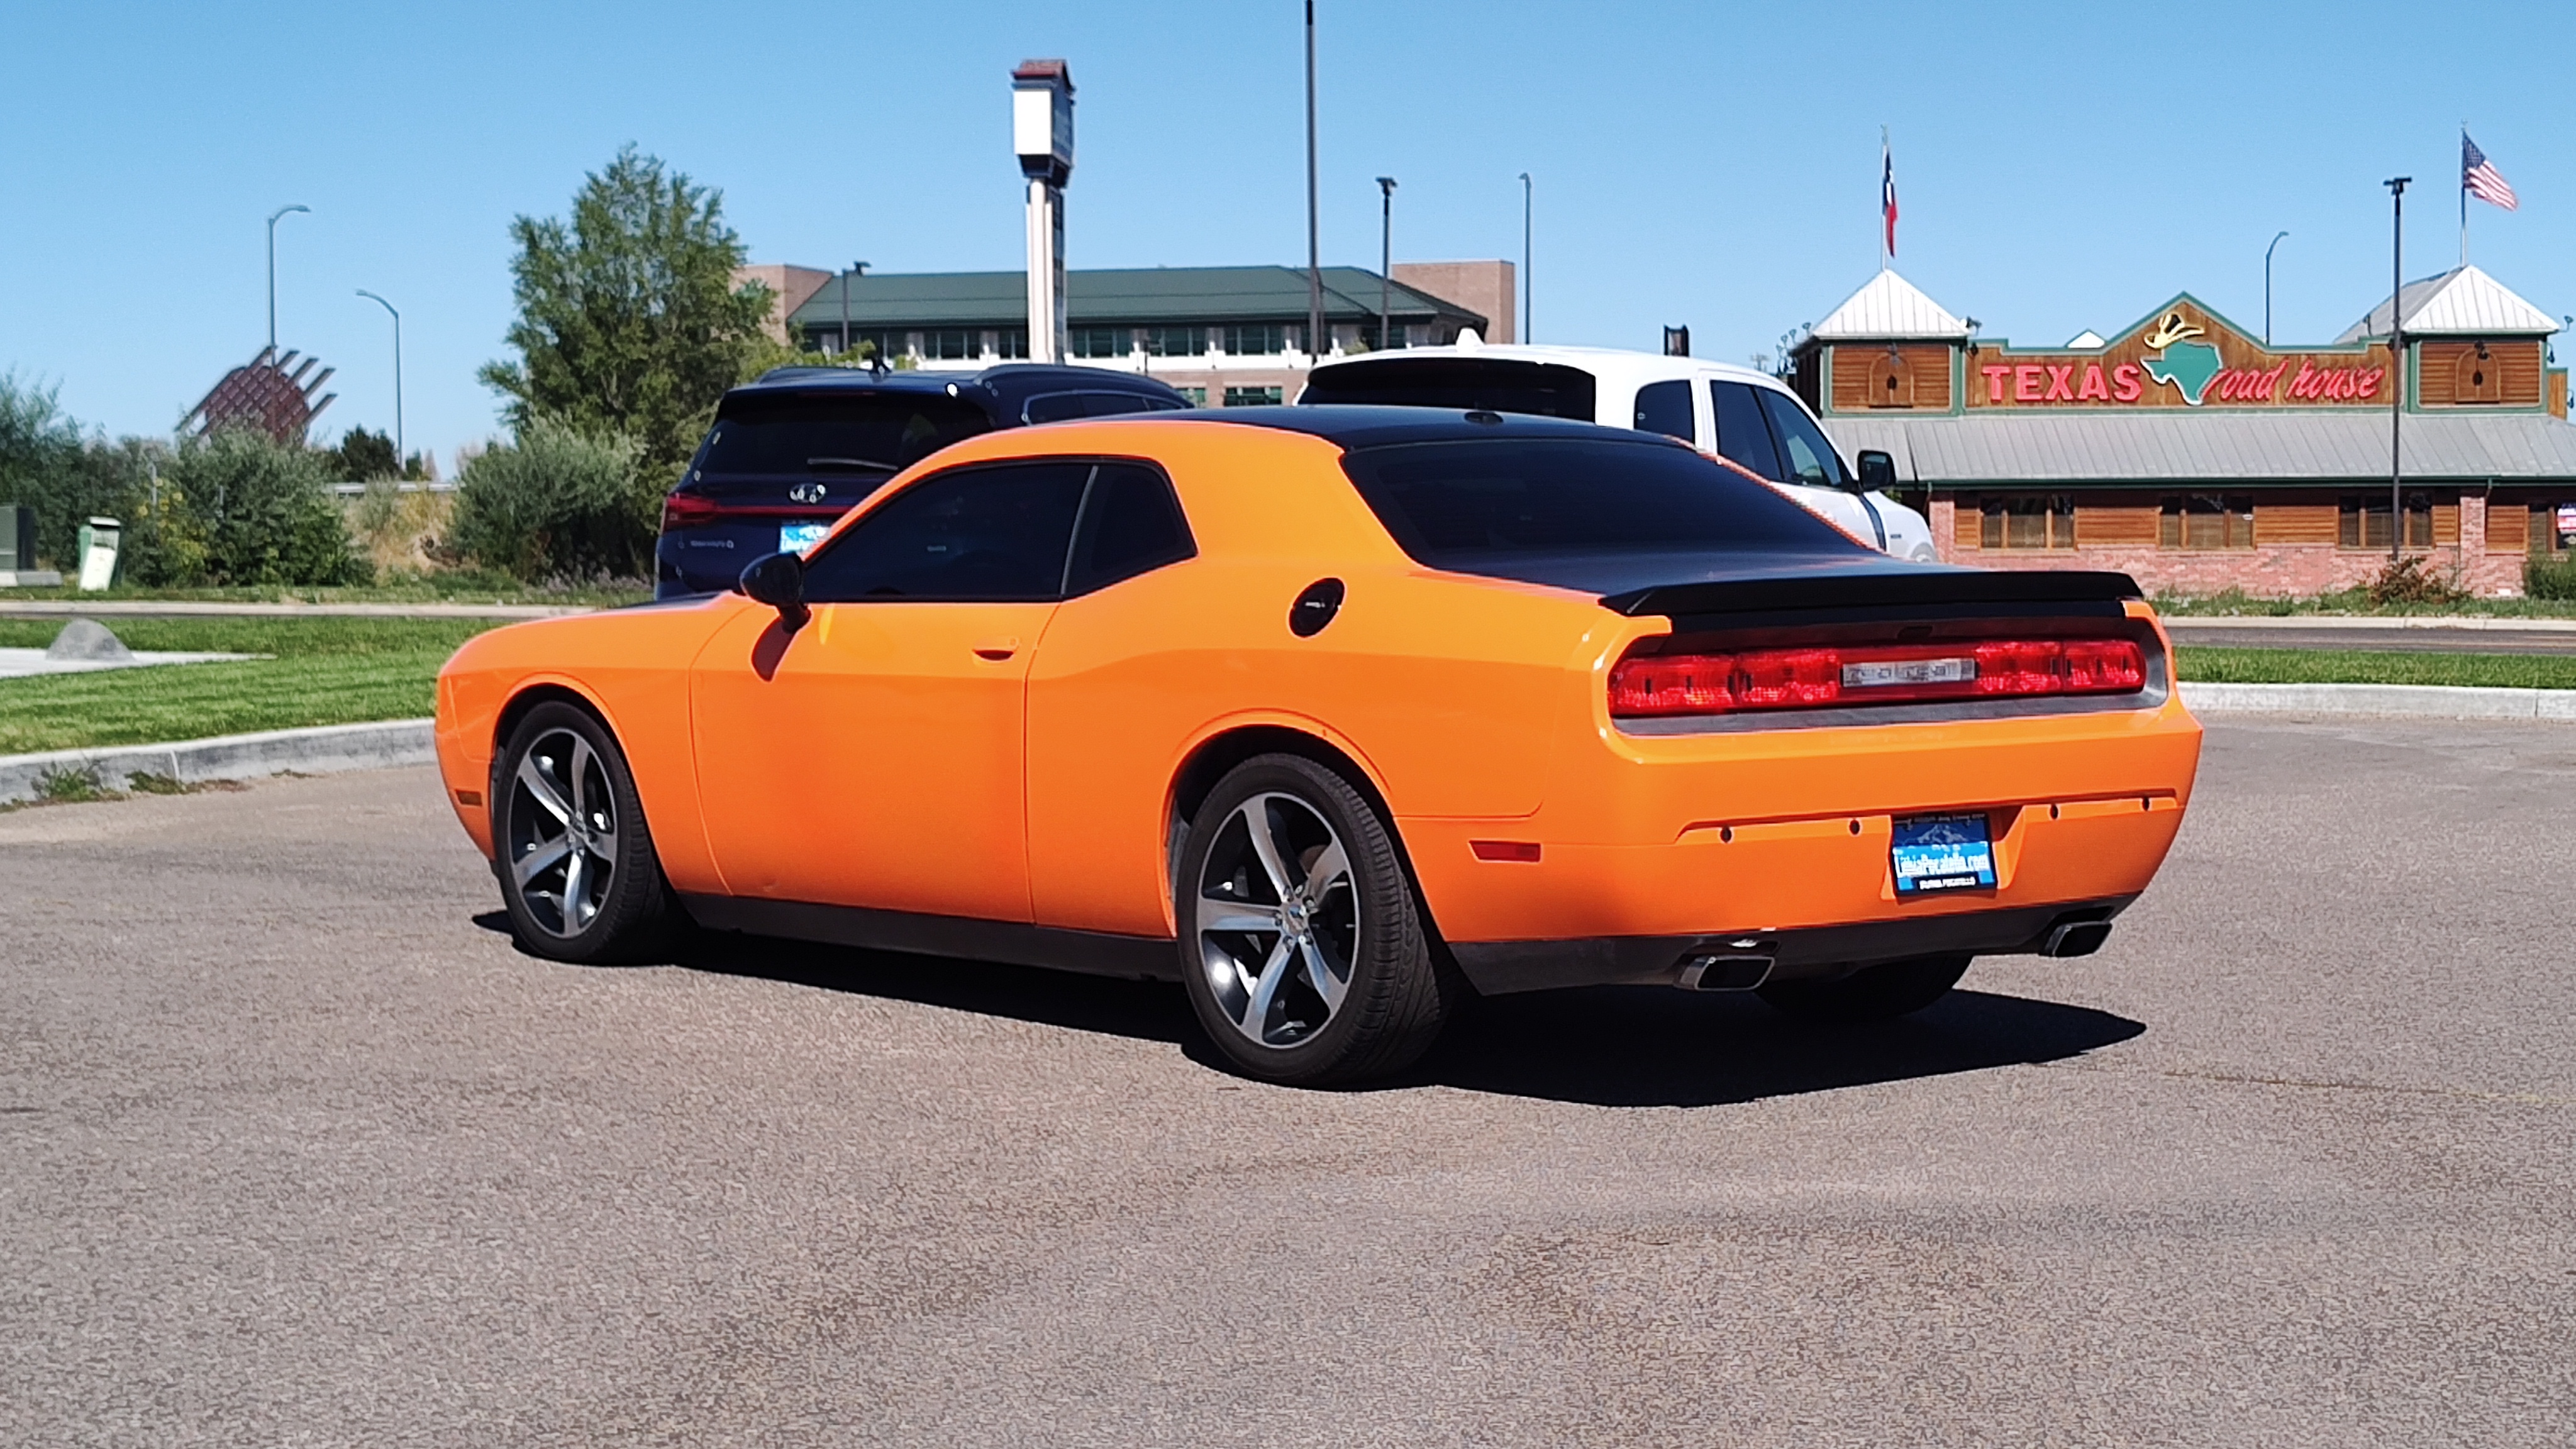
562, 825
1278, 920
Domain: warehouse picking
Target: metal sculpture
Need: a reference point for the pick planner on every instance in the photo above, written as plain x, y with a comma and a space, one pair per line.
273, 393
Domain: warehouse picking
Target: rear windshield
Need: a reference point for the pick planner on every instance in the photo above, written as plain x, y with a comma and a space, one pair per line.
1492, 384
805, 433
1456, 505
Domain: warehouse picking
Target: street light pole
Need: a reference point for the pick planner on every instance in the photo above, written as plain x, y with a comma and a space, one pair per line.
2267, 289
849, 279
401, 466
1314, 238
1524, 328
272, 270
1385, 259
2396, 363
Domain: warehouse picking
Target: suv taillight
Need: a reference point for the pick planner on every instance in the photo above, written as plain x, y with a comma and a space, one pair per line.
1648, 684
688, 510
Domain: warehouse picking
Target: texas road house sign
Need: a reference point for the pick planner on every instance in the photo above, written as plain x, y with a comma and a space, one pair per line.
2182, 355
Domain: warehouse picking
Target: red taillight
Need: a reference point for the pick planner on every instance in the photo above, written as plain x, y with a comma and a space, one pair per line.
688, 510
1860, 674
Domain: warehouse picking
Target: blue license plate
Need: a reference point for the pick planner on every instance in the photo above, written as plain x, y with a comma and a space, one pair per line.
1942, 853
798, 537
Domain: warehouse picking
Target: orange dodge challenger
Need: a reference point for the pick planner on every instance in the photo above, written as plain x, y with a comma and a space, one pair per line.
1339, 715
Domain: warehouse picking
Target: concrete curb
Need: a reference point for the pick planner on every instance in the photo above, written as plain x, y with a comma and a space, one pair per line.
323, 750
2419, 701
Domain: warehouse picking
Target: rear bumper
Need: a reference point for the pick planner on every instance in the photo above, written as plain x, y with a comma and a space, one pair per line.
1499, 967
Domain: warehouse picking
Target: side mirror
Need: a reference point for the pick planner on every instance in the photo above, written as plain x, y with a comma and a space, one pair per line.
778, 580
1877, 472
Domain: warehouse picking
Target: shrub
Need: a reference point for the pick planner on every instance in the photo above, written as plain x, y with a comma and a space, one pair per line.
557, 504
241, 508
2407, 581
2548, 578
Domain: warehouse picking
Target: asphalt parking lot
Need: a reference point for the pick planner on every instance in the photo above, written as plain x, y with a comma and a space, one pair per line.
299, 1149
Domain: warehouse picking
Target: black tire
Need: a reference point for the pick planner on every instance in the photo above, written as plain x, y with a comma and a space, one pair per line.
1873, 993
1352, 987
567, 908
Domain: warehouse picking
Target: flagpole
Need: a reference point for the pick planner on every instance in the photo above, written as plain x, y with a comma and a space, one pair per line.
2464, 193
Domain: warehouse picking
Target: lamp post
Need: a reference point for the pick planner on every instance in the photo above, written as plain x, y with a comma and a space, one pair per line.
2396, 362
2267, 289
1525, 257
400, 465
848, 279
272, 269
1385, 260
1314, 238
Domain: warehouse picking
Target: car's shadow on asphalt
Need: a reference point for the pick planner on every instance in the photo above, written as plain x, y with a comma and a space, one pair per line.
1606, 1046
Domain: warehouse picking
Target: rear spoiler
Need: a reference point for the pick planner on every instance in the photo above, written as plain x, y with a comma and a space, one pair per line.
1893, 588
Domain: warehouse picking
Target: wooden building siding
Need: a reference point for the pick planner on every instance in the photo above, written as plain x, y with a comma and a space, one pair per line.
2294, 522
2557, 392
2470, 374
2508, 526
2446, 525
2100, 525
1871, 377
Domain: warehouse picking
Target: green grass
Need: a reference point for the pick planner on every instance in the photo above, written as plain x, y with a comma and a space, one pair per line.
2361, 666
327, 671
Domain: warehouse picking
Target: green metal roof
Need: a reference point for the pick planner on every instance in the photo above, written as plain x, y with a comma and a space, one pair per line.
1137, 297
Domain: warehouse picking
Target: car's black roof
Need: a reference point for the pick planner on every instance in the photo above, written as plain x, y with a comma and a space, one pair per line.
1009, 384
1370, 425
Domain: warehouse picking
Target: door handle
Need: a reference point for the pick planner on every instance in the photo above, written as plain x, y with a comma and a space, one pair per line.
997, 649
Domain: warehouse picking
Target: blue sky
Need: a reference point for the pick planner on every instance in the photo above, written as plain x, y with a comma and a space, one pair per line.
2060, 166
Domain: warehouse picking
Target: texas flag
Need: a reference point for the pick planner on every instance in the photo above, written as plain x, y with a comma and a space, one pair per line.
1887, 191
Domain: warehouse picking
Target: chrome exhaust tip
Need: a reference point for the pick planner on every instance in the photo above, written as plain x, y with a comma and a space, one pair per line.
2076, 938
1724, 970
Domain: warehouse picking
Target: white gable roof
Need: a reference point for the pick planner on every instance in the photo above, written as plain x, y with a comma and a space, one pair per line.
2456, 303
1890, 307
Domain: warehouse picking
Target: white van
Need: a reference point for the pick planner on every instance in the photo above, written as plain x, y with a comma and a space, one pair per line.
1747, 417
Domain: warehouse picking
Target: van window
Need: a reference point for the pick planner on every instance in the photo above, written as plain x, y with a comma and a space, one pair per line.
1811, 460
1544, 389
1742, 434
1665, 407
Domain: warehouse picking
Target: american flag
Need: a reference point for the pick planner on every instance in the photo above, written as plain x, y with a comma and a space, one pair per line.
1887, 191
2479, 178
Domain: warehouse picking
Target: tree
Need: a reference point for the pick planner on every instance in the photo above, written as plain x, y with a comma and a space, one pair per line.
629, 320
40, 464
363, 455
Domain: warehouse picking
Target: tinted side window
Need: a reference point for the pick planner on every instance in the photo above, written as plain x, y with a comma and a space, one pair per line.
1809, 458
1131, 524
1544, 388
1055, 407
799, 433
1462, 504
978, 534
1742, 435
1664, 407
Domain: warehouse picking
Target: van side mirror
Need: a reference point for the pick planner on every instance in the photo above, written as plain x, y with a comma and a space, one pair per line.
778, 580
1877, 472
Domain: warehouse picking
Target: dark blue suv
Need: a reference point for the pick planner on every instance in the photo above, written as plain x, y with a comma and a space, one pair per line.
794, 451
